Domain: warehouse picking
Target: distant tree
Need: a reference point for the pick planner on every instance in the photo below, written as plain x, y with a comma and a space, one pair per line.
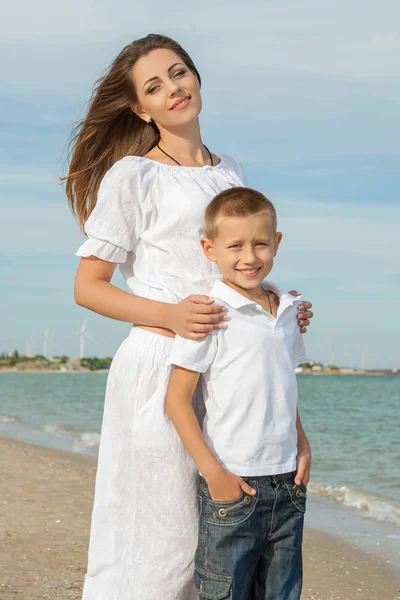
334, 367
95, 363
63, 359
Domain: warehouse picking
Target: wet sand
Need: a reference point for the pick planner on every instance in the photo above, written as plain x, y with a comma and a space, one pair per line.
46, 498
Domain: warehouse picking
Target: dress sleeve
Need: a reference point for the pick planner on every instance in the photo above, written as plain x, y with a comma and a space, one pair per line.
194, 355
240, 172
115, 224
237, 168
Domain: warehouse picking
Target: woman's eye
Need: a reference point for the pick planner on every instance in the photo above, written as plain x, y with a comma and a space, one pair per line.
153, 89
178, 73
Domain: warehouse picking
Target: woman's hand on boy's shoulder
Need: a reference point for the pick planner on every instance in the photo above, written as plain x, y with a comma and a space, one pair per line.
196, 316
225, 486
304, 313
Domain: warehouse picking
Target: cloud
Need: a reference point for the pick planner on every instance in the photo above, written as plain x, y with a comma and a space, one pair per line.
35, 226
344, 38
25, 175
306, 94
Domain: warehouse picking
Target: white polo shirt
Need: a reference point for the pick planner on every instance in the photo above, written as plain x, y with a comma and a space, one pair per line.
248, 381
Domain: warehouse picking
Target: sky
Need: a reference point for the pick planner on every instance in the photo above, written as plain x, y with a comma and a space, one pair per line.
305, 94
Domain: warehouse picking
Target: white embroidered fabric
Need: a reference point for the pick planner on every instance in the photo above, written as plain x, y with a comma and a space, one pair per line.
149, 219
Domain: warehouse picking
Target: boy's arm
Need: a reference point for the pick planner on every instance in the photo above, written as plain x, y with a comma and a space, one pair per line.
303, 454
223, 484
178, 405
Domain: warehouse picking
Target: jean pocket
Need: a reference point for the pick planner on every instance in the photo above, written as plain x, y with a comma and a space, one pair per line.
230, 513
298, 495
211, 586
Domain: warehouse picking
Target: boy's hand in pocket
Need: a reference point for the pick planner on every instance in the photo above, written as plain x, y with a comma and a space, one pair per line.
226, 486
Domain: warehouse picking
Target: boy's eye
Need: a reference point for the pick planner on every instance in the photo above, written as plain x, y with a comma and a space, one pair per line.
261, 244
234, 246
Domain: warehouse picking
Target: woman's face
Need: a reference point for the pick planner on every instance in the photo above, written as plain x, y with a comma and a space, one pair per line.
167, 91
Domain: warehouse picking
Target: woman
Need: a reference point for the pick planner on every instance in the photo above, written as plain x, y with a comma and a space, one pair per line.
139, 181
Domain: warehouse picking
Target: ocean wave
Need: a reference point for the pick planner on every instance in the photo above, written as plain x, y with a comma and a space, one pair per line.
87, 441
57, 428
9, 419
370, 505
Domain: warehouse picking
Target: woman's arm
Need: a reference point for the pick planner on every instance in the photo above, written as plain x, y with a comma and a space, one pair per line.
194, 317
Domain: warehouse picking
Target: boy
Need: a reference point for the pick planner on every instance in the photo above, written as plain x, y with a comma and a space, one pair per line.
251, 500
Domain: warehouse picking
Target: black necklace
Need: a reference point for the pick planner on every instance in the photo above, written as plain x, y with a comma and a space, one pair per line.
269, 301
172, 158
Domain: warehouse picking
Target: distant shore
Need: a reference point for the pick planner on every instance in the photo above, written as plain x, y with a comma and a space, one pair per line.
343, 372
44, 553
59, 371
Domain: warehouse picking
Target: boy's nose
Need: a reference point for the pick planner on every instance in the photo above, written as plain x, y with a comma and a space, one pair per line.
249, 258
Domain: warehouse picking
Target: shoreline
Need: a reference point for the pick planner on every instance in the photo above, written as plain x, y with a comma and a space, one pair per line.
44, 554
314, 374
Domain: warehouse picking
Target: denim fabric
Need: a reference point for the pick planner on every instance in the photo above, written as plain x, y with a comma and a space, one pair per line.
251, 548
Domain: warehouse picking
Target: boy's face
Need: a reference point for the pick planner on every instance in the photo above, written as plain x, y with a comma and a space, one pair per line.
244, 249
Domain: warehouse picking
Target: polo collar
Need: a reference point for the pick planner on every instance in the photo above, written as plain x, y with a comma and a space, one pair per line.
236, 300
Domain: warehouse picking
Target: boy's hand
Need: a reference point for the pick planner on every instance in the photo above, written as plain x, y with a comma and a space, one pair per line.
226, 486
303, 466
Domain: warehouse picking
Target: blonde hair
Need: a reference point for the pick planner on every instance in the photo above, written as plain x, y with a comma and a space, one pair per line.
111, 130
237, 202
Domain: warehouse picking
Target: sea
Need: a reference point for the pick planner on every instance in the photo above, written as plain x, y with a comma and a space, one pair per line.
352, 423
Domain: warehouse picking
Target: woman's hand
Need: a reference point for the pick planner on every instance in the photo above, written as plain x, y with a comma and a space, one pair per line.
195, 316
304, 313
226, 487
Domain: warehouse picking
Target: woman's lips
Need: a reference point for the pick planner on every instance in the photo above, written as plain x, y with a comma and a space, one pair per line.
181, 103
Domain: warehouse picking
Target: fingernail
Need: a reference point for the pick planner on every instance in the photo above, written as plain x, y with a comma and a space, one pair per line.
222, 326
301, 322
225, 309
226, 318
301, 307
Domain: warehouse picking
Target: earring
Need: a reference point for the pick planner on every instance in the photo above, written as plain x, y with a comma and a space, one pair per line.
148, 121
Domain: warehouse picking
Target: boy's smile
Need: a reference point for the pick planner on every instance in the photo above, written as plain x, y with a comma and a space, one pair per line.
244, 249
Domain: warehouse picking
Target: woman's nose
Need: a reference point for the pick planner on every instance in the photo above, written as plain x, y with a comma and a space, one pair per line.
173, 88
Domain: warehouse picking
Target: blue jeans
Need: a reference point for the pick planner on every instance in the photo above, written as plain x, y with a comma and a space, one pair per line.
251, 548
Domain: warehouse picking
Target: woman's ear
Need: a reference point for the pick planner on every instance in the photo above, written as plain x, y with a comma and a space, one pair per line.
138, 110
208, 249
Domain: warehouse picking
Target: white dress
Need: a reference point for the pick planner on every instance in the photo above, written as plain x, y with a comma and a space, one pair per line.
149, 219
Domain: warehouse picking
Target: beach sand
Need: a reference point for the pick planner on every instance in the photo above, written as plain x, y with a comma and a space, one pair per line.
46, 499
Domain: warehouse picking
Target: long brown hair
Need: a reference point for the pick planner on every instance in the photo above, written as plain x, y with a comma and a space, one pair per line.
111, 130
